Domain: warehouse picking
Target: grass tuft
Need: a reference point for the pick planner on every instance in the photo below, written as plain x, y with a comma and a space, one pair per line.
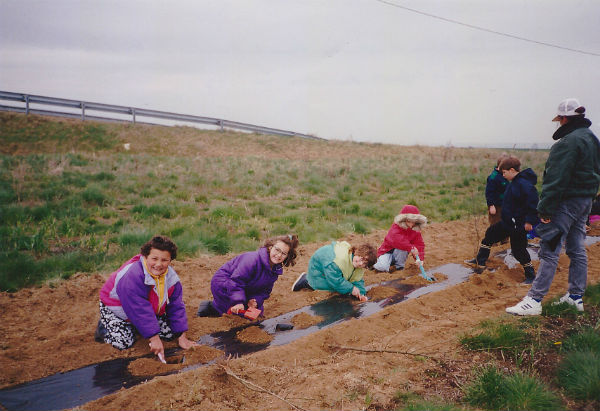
496, 335
494, 390
579, 375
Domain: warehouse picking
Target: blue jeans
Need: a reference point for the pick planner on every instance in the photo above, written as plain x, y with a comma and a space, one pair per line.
570, 216
394, 256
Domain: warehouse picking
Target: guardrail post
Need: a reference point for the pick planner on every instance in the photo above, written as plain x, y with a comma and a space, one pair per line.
26, 103
82, 110
221, 125
133, 114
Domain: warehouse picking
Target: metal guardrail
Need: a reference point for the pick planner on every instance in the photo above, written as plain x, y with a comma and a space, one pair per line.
133, 113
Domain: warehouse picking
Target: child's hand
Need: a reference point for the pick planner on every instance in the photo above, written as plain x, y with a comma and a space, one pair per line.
363, 298
356, 292
414, 252
236, 308
528, 227
185, 343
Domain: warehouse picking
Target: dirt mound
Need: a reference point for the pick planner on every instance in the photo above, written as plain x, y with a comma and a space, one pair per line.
381, 292
305, 320
254, 335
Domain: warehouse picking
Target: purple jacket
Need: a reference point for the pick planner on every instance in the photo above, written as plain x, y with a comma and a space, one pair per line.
130, 293
243, 278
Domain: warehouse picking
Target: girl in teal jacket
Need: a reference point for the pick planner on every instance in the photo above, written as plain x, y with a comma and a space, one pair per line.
338, 267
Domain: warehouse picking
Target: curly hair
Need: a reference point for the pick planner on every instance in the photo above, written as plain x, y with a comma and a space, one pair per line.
366, 251
291, 240
162, 243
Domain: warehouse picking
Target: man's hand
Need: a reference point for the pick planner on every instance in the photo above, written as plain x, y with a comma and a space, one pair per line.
492, 209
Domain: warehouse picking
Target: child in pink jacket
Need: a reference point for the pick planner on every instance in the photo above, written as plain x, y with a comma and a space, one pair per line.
403, 237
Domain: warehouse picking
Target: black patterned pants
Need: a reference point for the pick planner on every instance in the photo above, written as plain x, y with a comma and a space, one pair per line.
122, 334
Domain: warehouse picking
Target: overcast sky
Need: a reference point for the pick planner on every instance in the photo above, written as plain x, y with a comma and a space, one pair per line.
365, 70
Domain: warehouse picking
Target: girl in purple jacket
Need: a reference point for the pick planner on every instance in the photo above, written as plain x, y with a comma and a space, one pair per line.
247, 280
144, 296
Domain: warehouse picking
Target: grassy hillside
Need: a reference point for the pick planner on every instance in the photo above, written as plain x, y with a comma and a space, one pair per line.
73, 199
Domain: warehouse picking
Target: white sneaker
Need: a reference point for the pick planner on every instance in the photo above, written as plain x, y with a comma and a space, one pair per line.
527, 306
567, 299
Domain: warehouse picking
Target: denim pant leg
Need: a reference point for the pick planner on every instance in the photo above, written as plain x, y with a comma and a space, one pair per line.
575, 249
383, 262
399, 257
570, 217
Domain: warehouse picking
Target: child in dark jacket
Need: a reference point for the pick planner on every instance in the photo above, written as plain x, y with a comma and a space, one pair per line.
247, 280
494, 191
403, 238
519, 215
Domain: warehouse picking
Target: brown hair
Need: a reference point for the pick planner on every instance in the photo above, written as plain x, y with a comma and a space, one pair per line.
162, 243
366, 251
510, 162
502, 157
291, 240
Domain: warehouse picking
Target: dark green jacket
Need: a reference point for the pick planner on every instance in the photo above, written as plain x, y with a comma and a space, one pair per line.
572, 168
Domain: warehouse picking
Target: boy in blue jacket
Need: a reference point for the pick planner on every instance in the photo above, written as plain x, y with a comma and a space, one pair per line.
495, 187
519, 215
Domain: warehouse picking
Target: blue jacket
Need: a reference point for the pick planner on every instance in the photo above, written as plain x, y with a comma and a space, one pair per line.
245, 277
495, 188
520, 201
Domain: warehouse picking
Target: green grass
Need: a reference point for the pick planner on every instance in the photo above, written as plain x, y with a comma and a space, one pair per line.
579, 370
496, 335
494, 390
579, 375
72, 189
587, 339
592, 295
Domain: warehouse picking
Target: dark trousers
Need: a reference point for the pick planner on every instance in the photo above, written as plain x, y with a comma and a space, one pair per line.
498, 232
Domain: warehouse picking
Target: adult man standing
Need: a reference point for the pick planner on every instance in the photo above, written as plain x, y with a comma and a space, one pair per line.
571, 180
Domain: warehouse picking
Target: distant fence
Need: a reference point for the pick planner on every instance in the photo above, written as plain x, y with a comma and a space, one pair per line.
85, 110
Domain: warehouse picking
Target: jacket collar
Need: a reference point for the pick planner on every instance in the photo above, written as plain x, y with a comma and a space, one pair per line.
572, 125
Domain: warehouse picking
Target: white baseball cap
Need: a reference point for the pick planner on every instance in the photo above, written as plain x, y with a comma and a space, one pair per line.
569, 107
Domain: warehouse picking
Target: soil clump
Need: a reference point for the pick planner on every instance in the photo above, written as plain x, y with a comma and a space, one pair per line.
305, 320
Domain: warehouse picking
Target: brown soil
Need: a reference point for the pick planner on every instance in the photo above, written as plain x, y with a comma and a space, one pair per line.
254, 335
50, 329
305, 320
381, 292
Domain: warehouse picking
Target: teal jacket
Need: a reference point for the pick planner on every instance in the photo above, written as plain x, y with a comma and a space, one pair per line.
572, 168
324, 274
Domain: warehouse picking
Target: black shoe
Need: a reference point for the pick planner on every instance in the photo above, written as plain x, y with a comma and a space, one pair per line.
301, 283
479, 269
206, 309
100, 333
474, 261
